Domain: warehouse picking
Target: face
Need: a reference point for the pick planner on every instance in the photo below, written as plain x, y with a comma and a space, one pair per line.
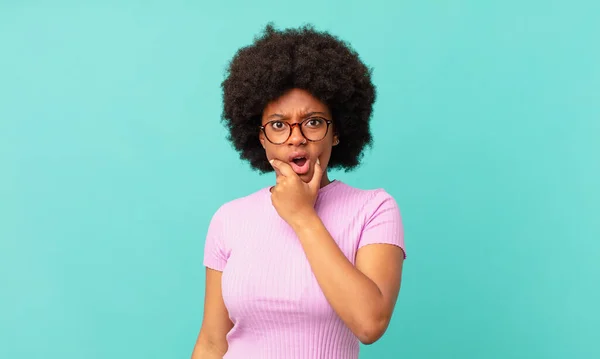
298, 107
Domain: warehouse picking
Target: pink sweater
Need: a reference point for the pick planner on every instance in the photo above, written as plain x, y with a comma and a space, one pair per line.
274, 301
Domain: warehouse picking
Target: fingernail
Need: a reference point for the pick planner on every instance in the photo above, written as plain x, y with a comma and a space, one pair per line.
318, 161
271, 161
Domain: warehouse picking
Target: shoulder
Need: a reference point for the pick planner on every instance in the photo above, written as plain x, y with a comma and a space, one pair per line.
379, 214
231, 210
368, 200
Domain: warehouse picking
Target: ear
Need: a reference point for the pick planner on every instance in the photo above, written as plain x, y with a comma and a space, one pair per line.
336, 140
261, 138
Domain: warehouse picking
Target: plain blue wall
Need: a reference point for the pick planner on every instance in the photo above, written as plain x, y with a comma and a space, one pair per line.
113, 159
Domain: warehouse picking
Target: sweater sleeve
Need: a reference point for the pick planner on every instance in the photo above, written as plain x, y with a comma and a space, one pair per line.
383, 222
215, 253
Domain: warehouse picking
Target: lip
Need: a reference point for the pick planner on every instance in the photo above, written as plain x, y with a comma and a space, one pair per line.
298, 154
300, 170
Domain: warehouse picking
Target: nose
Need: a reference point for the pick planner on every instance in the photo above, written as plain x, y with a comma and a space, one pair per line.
296, 138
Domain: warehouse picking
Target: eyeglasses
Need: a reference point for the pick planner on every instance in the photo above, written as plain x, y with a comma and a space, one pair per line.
313, 129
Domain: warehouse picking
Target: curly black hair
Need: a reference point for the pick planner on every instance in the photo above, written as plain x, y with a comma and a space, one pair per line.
303, 58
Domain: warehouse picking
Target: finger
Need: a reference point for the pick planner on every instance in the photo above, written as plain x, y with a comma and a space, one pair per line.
315, 181
283, 168
277, 172
275, 168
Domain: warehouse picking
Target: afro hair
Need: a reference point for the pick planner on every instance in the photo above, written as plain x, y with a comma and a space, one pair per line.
303, 58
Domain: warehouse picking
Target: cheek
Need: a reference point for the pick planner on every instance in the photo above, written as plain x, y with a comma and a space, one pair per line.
324, 152
270, 151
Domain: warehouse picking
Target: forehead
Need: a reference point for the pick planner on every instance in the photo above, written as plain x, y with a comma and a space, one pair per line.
295, 102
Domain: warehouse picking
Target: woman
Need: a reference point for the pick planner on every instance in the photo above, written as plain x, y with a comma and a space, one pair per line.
308, 267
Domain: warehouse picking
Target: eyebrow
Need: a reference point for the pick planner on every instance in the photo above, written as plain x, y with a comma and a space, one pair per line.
309, 114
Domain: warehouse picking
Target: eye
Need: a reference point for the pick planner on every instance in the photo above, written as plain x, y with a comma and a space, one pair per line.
277, 125
314, 122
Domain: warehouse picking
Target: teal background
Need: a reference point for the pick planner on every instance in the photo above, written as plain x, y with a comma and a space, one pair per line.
113, 159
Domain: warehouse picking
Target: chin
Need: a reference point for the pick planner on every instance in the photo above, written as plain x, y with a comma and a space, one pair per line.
306, 177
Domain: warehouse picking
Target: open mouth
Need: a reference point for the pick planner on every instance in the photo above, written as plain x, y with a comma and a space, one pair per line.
300, 165
299, 161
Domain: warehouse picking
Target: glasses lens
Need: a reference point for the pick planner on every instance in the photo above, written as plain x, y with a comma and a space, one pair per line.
277, 131
314, 129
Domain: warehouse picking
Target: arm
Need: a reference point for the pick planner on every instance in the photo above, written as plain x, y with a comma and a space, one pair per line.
363, 296
211, 342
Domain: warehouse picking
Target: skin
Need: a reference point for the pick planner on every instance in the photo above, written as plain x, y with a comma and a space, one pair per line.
211, 342
373, 283
295, 106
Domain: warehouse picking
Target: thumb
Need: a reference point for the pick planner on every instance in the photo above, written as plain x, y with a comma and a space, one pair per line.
275, 168
315, 182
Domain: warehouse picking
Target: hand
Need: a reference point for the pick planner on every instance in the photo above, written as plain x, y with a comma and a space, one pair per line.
293, 198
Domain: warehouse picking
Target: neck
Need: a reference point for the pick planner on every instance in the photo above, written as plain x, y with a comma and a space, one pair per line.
325, 180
